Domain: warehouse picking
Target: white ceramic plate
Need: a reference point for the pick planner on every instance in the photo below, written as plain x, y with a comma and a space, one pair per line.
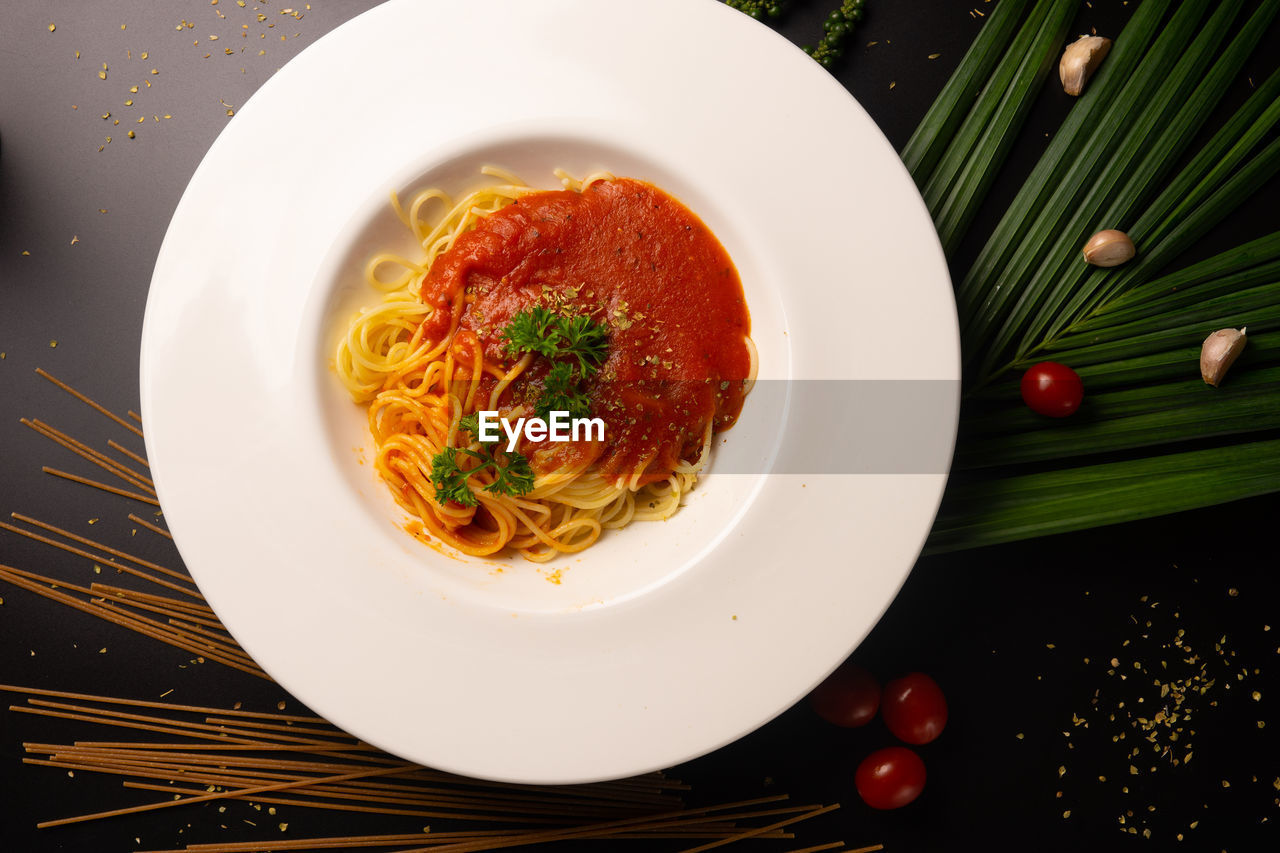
665, 640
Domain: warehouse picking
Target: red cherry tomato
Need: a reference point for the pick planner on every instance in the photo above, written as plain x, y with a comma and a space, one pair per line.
890, 778
849, 697
914, 708
1052, 389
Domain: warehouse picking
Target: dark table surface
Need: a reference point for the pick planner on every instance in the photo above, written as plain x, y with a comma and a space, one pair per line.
1021, 637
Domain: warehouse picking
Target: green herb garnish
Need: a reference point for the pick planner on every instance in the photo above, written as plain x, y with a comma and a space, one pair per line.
471, 423
554, 336
558, 337
560, 393
512, 477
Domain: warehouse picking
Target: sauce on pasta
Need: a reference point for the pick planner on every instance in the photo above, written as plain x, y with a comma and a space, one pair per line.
630, 256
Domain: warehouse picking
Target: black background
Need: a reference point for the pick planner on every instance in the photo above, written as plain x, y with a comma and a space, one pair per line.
1020, 636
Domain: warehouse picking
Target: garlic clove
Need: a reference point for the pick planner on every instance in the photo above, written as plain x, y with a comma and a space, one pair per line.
1109, 248
1081, 58
1219, 352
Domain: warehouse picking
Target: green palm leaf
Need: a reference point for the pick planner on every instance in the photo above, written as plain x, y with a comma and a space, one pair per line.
1133, 333
1006, 509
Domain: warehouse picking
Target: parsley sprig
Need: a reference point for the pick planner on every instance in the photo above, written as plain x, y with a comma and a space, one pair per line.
561, 393
471, 423
560, 338
544, 332
512, 477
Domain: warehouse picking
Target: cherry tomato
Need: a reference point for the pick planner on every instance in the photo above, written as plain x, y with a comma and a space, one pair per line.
914, 708
890, 778
1052, 389
849, 697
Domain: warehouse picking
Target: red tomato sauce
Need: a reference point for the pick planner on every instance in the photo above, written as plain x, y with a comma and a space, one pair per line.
629, 256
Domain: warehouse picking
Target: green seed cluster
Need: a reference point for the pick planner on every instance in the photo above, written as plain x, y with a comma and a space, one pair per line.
837, 28
759, 9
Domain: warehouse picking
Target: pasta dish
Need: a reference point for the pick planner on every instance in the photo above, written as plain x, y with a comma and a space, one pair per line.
607, 305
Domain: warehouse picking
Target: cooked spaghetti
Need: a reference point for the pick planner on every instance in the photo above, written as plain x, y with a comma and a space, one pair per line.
610, 298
